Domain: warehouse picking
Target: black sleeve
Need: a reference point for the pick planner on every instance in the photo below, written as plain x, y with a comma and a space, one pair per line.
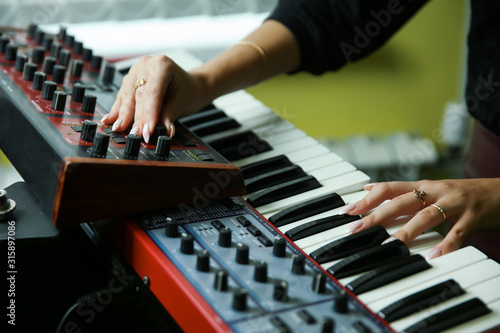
331, 33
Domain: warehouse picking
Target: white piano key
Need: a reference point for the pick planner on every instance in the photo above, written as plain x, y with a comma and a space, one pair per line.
440, 266
347, 183
489, 322
245, 111
279, 149
483, 291
320, 161
281, 137
226, 102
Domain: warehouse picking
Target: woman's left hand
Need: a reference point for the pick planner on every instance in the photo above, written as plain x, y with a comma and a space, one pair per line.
471, 205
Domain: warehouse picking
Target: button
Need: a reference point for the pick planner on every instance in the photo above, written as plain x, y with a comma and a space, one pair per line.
205, 157
265, 241
306, 316
217, 224
254, 231
243, 221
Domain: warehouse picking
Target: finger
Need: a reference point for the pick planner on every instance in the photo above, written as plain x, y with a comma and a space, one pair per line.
378, 194
454, 239
401, 205
149, 97
122, 111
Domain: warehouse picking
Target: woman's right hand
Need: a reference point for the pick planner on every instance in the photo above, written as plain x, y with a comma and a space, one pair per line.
168, 93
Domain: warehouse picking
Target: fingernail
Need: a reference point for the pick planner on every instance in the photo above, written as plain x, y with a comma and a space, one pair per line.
145, 132
368, 186
134, 130
388, 240
172, 130
103, 120
348, 209
355, 225
434, 254
116, 124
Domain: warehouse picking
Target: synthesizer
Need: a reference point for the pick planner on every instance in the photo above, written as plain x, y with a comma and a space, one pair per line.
53, 93
281, 258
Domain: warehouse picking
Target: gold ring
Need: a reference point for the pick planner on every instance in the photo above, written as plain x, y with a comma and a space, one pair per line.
139, 83
421, 196
441, 210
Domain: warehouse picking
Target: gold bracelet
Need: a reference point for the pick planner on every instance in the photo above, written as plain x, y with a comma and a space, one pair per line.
255, 47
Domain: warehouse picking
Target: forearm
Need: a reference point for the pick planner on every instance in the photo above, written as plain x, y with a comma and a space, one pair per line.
242, 65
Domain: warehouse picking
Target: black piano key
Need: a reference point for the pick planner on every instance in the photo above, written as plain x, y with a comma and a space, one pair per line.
272, 178
349, 245
451, 317
369, 259
240, 145
215, 126
285, 190
420, 300
388, 273
320, 225
202, 117
270, 164
307, 209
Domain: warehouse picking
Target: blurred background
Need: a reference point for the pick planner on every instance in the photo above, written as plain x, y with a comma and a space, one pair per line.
393, 114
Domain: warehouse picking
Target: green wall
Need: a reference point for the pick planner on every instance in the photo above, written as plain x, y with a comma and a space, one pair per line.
405, 85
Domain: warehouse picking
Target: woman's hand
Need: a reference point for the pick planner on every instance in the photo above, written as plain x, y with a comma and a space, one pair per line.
471, 205
168, 93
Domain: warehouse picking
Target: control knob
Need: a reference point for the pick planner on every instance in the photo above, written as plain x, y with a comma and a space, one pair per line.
38, 80
38, 54
48, 89
260, 272
220, 280
280, 292
100, 145
48, 65
21, 60
240, 300
203, 261
58, 73
225, 237
89, 103
242, 253
279, 247
89, 129
10, 52
171, 227
29, 71
163, 146
59, 100
187, 244
77, 93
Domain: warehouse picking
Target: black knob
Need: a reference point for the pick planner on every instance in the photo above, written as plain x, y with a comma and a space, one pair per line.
29, 71
100, 145
77, 68
160, 130
220, 280
69, 40
31, 30
64, 57
133, 146
96, 62
39, 35
319, 283
59, 100
187, 244
61, 35
77, 93
89, 129
242, 253
21, 60
89, 103
10, 52
47, 42
280, 292
327, 325
340, 304
260, 272
4, 40
298, 264
38, 55
38, 80
225, 237
55, 49
109, 74
86, 54
48, 65
240, 300
203, 261
58, 73
78, 47
163, 146
48, 89
279, 247
171, 227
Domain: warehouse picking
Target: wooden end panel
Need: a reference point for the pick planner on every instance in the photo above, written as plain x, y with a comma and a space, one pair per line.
94, 189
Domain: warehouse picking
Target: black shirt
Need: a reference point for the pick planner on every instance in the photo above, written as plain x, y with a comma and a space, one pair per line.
332, 33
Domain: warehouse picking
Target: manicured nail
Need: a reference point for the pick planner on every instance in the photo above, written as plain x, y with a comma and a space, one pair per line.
134, 131
368, 187
355, 225
434, 254
117, 124
172, 130
388, 240
348, 209
103, 120
145, 132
